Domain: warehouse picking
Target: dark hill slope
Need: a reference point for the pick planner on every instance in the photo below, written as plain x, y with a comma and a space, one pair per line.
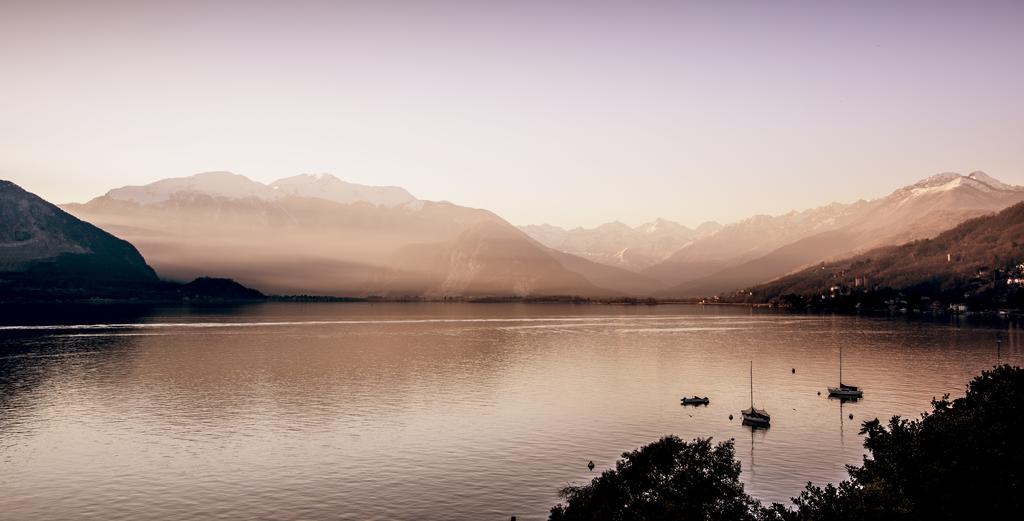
45, 250
47, 254
973, 263
211, 288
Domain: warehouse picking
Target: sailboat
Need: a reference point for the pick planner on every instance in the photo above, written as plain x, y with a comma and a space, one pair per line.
847, 392
752, 416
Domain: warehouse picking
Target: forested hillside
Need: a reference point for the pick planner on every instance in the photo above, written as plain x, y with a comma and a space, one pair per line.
979, 263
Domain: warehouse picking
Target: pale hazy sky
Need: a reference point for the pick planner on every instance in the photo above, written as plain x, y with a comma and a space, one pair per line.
574, 114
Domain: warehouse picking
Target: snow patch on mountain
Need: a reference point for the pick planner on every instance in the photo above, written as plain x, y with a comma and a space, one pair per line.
991, 181
951, 182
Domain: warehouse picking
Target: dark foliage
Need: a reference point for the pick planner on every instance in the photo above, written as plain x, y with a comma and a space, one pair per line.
668, 479
963, 460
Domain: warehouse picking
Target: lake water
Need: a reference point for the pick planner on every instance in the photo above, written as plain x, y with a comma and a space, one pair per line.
431, 411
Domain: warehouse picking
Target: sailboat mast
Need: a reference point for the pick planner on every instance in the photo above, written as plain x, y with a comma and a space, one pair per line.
840, 364
751, 384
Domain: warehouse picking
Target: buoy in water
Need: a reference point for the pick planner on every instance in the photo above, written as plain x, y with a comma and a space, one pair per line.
590, 465
851, 415
730, 417
794, 370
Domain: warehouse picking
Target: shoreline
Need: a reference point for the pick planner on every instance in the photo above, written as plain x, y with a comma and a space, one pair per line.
575, 300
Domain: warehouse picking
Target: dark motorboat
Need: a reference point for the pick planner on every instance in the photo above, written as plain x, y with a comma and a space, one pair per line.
753, 417
696, 400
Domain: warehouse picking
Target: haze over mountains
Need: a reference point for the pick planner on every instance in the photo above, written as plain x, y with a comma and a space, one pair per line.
617, 244
320, 235
326, 186
763, 247
978, 262
48, 254
233, 186
316, 234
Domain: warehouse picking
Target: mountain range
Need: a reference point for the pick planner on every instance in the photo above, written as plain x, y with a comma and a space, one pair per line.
319, 235
48, 254
763, 247
980, 263
713, 259
619, 245
231, 186
322, 236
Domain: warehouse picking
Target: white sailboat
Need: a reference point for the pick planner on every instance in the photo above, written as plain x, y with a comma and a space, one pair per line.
848, 392
755, 417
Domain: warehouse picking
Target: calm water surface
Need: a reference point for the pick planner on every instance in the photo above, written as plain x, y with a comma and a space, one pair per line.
431, 411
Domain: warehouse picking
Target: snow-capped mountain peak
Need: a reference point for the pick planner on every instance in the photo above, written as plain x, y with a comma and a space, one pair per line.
991, 181
950, 182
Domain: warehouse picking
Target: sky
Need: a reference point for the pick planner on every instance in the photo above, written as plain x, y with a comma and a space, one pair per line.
570, 113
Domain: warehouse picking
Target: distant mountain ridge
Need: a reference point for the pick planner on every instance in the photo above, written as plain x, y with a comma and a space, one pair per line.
318, 235
979, 262
715, 258
617, 244
234, 186
763, 248
47, 254
326, 186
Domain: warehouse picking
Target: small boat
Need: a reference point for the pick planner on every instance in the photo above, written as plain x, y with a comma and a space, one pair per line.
754, 417
696, 400
844, 392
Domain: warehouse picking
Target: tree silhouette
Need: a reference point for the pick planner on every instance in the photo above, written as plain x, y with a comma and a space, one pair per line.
963, 460
668, 479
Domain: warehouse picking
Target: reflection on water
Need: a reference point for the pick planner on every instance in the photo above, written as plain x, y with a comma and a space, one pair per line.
429, 411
